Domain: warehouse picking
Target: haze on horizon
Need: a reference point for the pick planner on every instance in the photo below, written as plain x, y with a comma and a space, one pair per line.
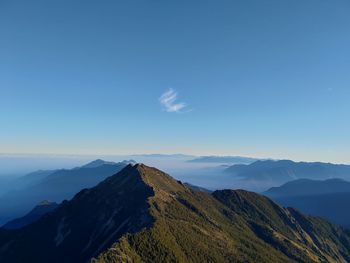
205, 78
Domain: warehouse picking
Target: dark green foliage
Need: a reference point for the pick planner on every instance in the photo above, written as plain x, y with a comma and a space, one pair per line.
143, 215
85, 226
234, 226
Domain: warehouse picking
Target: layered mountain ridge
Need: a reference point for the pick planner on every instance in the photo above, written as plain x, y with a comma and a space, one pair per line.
143, 215
38, 211
328, 198
262, 175
56, 186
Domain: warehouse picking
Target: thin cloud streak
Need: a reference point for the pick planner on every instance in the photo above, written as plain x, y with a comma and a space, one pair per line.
168, 100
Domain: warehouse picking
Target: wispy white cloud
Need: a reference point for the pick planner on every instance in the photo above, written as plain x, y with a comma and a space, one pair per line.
168, 100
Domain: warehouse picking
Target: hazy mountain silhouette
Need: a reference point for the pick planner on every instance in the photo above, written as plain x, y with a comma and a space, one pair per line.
143, 215
302, 187
329, 199
11, 184
224, 159
100, 162
267, 174
56, 186
41, 209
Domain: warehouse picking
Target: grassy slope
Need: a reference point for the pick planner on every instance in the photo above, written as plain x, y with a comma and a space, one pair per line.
230, 226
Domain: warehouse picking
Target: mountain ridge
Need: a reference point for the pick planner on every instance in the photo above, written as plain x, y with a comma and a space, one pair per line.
263, 175
310, 187
37, 212
224, 159
56, 186
142, 214
328, 199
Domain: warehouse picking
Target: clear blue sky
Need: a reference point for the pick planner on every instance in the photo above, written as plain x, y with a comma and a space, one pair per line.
259, 78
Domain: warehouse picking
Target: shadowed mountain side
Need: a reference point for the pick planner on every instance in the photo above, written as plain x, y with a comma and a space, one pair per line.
333, 207
37, 212
328, 199
85, 226
143, 215
57, 186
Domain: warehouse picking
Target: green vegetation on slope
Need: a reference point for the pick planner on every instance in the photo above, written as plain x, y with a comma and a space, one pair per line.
143, 215
228, 226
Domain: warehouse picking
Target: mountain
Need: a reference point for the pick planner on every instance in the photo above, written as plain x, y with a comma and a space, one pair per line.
57, 186
33, 178
41, 209
100, 162
224, 159
328, 199
96, 163
158, 155
266, 174
305, 187
9, 183
197, 188
143, 215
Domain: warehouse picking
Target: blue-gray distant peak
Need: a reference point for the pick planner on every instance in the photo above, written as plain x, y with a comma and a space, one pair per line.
224, 159
97, 163
307, 187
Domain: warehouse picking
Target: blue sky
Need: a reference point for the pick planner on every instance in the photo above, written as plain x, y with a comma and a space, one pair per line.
259, 78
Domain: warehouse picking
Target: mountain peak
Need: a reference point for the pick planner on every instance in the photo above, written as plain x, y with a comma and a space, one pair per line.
97, 163
163, 185
141, 214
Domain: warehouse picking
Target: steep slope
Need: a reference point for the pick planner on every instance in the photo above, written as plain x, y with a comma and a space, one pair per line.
228, 226
197, 188
333, 207
85, 226
302, 238
57, 186
37, 212
143, 215
328, 199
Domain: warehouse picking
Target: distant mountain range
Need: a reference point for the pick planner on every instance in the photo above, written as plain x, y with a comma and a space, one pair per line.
143, 215
100, 162
56, 185
267, 174
224, 160
329, 199
40, 210
304, 187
